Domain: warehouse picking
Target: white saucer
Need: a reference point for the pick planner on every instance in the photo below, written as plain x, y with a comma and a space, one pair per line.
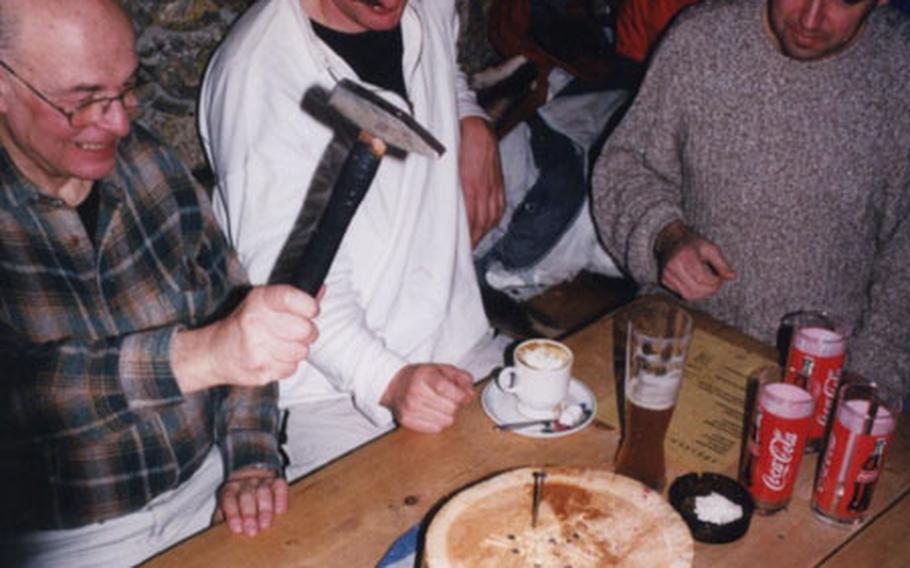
501, 407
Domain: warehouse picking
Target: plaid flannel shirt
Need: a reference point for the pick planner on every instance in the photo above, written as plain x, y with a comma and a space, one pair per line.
92, 422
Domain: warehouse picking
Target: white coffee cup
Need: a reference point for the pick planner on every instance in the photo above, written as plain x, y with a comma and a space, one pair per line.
539, 378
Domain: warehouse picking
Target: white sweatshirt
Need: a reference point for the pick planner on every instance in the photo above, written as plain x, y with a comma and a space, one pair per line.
402, 288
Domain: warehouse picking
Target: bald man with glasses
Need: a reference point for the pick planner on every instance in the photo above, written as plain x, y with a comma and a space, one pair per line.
137, 366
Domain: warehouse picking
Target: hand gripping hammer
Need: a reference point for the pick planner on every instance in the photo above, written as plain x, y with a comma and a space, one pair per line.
304, 262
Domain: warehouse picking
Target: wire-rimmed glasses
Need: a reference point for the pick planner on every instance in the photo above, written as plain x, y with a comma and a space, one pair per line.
91, 110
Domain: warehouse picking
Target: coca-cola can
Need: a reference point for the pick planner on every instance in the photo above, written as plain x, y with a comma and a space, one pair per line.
815, 360
854, 455
777, 439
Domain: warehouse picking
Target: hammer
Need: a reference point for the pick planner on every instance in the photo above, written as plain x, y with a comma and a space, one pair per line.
304, 261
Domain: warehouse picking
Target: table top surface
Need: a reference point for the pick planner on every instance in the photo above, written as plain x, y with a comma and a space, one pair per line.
349, 512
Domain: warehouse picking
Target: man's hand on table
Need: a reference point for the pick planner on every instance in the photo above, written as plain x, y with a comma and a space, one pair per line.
480, 171
690, 265
426, 397
261, 341
250, 499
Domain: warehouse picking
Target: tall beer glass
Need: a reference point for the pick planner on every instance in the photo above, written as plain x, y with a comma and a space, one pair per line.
656, 347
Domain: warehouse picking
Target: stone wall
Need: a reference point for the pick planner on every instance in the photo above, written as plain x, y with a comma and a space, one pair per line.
176, 37
474, 51
174, 40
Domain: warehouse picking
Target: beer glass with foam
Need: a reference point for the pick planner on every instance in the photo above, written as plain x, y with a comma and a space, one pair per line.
658, 338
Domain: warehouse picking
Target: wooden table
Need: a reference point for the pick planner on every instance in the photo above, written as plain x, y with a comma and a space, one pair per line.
348, 513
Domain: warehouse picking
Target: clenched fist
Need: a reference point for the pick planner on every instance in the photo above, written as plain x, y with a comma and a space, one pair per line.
263, 340
425, 397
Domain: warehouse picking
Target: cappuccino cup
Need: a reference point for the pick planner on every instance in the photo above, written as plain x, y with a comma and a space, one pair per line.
539, 379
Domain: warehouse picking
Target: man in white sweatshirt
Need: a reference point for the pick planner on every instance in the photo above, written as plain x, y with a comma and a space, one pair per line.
402, 331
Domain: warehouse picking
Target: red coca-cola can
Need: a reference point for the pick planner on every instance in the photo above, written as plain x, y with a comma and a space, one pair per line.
814, 361
777, 439
854, 455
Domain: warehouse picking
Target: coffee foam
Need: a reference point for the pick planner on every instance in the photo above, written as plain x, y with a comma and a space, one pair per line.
543, 356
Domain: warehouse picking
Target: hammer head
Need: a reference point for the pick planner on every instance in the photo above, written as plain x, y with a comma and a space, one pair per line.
382, 119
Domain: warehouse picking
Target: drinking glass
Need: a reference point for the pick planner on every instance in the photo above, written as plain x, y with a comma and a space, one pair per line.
657, 343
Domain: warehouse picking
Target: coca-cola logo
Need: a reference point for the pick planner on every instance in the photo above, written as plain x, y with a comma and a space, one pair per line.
826, 464
829, 391
830, 388
782, 447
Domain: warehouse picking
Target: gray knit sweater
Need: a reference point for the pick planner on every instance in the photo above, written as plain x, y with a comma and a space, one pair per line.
798, 171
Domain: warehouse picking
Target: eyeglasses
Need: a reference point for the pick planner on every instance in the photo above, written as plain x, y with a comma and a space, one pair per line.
92, 110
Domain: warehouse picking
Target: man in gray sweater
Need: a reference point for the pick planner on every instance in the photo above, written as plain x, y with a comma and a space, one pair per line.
765, 168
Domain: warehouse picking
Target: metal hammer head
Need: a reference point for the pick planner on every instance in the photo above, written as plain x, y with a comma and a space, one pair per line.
382, 119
